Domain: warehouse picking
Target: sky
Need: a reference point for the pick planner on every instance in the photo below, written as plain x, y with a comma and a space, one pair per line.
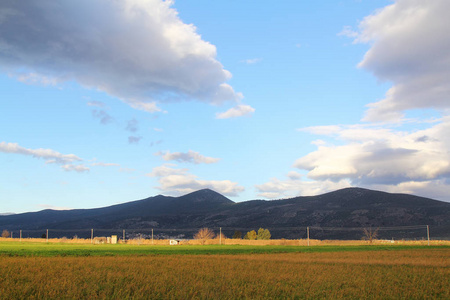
104, 102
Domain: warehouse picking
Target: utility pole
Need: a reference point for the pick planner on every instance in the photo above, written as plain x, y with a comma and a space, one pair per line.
20, 235
428, 234
47, 236
307, 233
220, 235
152, 236
123, 237
92, 235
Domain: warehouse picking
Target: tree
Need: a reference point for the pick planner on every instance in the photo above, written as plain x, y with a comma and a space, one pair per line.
263, 234
5, 234
204, 234
370, 234
251, 235
237, 235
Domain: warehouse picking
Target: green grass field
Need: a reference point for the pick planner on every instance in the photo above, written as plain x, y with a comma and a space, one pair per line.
68, 249
84, 271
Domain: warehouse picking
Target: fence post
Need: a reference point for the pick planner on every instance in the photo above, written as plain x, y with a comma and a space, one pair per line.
307, 233
21, 235
152, 236
92, 235
123, 236
428, 234
47, 235
220, 235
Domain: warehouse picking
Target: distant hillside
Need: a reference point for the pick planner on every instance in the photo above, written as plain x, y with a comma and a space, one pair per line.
346, 208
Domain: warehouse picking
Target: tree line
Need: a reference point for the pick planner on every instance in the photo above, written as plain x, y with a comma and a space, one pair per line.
207, 234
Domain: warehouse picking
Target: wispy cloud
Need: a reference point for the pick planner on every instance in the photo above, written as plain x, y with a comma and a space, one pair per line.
103, 116
187, 157
100, 164
237, 111
252, 61
68, 162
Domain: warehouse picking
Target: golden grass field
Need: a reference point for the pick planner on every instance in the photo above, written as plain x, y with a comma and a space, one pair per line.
226, 241
397, 274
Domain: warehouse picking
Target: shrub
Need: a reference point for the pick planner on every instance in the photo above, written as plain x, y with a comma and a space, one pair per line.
5, 234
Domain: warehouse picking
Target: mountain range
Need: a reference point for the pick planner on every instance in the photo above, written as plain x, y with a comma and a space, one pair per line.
287, 218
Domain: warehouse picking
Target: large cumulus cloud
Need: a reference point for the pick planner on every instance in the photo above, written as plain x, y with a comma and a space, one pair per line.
414, 161
409, 47
137, 50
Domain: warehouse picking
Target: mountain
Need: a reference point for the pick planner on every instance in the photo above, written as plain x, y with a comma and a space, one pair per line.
346, 208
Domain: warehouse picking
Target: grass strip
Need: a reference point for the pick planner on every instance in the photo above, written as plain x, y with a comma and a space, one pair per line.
28, 249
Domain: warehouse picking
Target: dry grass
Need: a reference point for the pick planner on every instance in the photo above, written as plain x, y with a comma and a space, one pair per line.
225, 241
414, 274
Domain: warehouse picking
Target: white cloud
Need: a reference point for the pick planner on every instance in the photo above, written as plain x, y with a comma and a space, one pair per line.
136, 50
410, 42
237, 111
76, 168
67, 161
100, 164
295, 186
415, 162
48, 206
252, 61
371, 156
188, 157
178, 182
348, 32
148, 107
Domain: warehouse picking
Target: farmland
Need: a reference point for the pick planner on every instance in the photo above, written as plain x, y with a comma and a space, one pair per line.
42, 271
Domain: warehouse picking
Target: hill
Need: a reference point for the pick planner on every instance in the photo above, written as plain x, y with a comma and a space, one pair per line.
346, 208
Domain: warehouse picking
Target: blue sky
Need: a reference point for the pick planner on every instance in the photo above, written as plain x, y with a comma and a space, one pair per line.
105, 102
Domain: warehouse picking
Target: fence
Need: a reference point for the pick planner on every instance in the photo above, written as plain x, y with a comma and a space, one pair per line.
419, 232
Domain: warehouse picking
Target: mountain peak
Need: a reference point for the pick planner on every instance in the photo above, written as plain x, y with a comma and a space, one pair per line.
206, 196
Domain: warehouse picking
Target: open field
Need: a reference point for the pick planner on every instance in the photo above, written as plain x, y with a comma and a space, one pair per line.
70, 271
15, 248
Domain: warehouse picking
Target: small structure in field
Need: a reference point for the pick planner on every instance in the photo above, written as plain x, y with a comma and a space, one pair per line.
174, 242
114, 239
